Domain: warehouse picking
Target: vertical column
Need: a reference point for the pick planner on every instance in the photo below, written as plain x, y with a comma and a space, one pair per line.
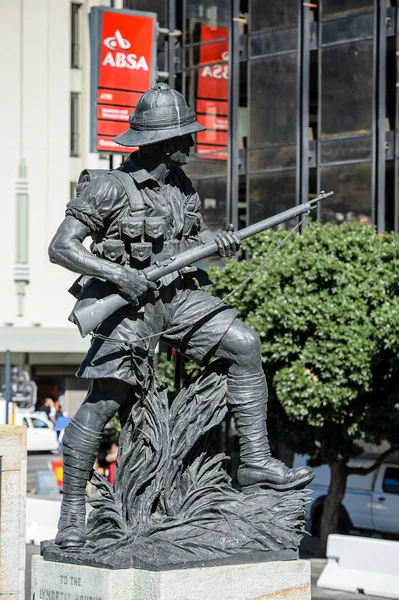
381, 67
303, 66
12, 511
171, 42
21, 265
233, 114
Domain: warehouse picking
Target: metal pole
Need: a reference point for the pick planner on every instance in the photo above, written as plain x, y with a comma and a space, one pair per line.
381, 11
299, 57
171, 42
395, 131
304, 26
8, 392
319, 106
233, 111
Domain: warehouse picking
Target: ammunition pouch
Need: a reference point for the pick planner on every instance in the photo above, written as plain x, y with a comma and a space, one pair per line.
155, 233
114, 250
154, 228
140, 255
132, 228
142, 242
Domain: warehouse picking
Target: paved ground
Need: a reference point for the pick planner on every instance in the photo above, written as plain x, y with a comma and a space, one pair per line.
37, 461
317, 593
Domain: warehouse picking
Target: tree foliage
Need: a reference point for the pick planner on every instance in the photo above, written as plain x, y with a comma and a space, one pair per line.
326, 308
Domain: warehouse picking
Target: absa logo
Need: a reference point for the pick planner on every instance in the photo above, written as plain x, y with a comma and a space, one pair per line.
120, 60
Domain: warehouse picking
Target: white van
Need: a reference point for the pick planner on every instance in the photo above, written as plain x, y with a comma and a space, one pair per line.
371, 502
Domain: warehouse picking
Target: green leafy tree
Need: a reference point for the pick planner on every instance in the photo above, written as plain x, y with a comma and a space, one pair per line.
326, 308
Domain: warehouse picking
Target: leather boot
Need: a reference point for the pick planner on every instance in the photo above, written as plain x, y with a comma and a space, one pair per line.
80, 448
247, 396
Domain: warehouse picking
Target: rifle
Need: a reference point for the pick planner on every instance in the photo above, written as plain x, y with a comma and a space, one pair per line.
87, 315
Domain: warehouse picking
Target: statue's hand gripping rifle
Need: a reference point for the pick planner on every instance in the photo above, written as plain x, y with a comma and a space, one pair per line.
88, 315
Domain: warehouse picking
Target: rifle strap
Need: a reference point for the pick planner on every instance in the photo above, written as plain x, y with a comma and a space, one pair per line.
126, 181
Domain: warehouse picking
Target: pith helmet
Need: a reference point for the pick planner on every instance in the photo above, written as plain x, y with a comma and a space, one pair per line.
161, 114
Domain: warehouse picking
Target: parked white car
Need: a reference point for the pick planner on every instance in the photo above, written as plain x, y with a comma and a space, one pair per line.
371, 502
41, 435
40, 432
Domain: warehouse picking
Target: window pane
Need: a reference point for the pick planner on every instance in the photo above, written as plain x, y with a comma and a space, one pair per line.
340, 7
213, 163
270, 193
213, 197
276, 40
351, 184
72, 189
391, 481
208, 54
338, 30
352, 148
273, 100
157, 6
206, 12
271, 157
200, 86
75, 36
272, 13
208, 95
347, 87
38, 423
74, 141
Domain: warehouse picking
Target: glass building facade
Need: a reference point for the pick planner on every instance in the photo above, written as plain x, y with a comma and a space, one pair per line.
296, 97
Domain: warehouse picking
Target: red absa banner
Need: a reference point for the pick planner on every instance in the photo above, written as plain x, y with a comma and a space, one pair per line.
125, 72
126, 52
212, 93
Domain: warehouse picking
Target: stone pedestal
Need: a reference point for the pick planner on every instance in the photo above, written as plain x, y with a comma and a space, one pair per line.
281, 580
12, 511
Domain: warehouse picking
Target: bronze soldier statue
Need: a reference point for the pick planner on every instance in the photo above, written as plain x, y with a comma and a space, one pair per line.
143, 212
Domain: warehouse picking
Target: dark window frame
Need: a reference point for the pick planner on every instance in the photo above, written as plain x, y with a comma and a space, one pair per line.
75, 35
75, 121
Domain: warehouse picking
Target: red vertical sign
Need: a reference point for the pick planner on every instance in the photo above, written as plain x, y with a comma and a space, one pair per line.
125, 72
212, 93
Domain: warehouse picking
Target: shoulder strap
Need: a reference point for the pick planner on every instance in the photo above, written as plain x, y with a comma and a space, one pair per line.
131, 192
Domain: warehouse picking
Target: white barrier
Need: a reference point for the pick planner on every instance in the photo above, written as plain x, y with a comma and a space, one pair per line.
365, 565
41, 519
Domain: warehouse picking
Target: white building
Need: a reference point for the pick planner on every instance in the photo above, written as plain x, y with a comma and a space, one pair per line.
44, 107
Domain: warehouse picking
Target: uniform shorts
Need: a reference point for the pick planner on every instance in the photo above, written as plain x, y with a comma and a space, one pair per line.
127, 339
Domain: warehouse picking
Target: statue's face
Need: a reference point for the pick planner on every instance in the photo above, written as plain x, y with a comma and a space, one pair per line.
179, 149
